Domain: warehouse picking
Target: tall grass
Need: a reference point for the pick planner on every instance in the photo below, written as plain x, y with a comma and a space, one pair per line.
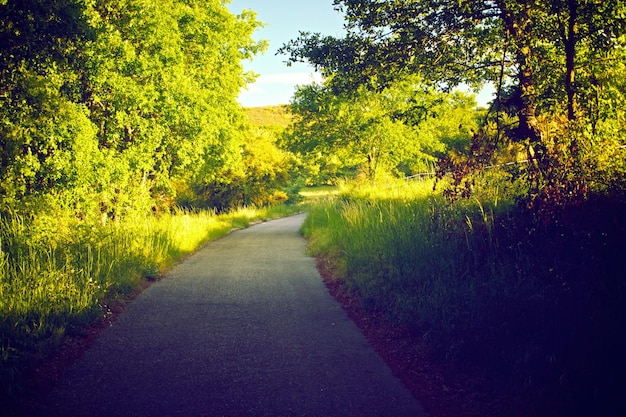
399, 242
538, 303
58, 275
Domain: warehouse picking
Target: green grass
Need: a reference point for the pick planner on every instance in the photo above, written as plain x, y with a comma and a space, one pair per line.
538, 303
59, 275
317, 192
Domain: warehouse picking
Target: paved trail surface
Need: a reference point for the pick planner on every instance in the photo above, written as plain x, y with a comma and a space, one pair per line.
245, 327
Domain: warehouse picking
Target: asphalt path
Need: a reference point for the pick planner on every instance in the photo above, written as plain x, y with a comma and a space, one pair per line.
244, 327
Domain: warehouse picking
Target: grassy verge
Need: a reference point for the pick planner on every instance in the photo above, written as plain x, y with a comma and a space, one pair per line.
58, 275
538, 304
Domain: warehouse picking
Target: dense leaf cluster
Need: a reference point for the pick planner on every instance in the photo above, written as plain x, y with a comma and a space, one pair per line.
400, 130
107, 106
557, 67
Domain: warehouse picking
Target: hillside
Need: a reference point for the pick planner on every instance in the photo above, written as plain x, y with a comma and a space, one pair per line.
277, 116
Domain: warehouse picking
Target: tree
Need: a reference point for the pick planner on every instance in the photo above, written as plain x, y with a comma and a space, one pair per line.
168, 74
39, 124
530, 50
268, 168
258, 179
399, 130
118, 103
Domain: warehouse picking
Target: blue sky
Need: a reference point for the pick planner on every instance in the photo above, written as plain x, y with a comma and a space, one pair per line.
283, 22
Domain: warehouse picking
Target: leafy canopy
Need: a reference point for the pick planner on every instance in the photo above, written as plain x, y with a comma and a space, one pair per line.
107, 106
400, 130
547, 59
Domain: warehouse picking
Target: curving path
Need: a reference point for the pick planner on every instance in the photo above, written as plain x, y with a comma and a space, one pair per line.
245, 327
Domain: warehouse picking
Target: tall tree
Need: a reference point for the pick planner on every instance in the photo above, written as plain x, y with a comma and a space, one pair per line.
145, 89
168, 74
530, 49
41, 128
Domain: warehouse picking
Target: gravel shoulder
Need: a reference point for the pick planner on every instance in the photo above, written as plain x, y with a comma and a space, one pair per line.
244, 327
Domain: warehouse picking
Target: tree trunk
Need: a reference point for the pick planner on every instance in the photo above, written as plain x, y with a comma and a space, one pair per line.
518, 22
527, 113
569, 40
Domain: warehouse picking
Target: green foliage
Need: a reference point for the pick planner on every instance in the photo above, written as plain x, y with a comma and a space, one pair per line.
267, 168
173, 113
398, 130
536, 304
551, 61
110, 106
261, 172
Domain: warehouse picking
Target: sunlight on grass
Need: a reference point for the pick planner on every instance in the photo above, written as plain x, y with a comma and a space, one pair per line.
487, 282
312, 193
